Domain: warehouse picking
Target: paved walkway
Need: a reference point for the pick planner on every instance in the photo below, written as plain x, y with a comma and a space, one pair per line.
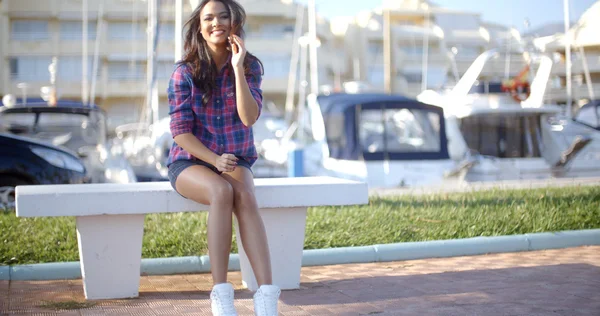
551, 282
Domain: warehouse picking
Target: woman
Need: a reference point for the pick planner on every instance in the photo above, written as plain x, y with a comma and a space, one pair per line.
214, 98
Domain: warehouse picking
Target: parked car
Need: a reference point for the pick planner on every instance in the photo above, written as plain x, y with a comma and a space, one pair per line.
26, 161
73, 126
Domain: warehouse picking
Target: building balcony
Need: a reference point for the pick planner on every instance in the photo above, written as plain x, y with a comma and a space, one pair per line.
66, 89
434, 57
593, 64
131, 88
256, 45
274, 85
21, 48
493, 68
559, 94
332, 58
23, 8
270, 9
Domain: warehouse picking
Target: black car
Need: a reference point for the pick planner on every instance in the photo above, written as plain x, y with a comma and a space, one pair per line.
26, 161
74, 127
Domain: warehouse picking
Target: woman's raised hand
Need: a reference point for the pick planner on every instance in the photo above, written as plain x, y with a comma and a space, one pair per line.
238, 51
226, 163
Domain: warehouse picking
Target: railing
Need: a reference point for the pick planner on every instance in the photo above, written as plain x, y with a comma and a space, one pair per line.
559, 94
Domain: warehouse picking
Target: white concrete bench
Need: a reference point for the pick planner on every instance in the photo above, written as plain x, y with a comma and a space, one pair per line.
110, 222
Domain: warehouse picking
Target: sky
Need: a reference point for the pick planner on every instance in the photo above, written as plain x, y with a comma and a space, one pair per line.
506, 12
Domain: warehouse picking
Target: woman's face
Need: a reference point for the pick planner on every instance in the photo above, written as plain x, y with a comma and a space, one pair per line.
215, 23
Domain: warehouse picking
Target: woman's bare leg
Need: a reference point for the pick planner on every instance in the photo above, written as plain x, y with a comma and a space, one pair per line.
252, 229
204, 186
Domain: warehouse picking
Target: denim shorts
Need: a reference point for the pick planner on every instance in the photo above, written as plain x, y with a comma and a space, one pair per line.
178, 166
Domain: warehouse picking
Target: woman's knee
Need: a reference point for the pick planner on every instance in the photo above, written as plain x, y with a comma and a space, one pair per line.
245, 200
222, 194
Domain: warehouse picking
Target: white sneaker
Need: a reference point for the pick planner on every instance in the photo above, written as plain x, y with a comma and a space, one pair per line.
221, 300
265, 300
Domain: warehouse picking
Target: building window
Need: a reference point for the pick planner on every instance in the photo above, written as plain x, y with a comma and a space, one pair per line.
69, 68
125, 31
375, 73
276, 30
375, 49
73, 30
30, 69
126, 71
276, 66
29, 30
412, 50
164, 69
166, 32
436, 76
467, 51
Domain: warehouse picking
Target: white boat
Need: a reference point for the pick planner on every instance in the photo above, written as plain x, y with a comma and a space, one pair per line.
589, 114
383, 140
498, 138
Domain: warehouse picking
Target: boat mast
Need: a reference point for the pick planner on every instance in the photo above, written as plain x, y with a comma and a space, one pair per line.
96, 53
152, 93
312, 33
84, 53
424, 65
568, 56
291, 88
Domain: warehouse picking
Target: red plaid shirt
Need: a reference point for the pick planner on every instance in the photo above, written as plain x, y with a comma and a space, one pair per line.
217, 125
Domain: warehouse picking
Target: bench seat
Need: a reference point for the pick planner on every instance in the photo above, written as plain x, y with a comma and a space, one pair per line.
110, 222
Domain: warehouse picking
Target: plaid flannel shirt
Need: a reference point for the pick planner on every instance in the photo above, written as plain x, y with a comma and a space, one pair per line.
217, 125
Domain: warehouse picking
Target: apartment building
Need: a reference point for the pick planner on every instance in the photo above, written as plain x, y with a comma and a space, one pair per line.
432, 46
585, 52
410, 28
33, 32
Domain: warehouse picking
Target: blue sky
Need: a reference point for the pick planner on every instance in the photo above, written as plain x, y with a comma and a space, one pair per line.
506, 12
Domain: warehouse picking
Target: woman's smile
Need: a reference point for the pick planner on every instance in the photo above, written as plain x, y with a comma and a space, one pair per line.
218, 33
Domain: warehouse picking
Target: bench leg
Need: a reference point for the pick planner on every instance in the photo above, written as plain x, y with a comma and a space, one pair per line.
285, 234
110, 252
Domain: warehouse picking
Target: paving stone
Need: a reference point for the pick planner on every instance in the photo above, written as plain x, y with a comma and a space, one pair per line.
549, 282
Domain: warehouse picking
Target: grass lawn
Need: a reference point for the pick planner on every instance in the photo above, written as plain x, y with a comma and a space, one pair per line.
384, 220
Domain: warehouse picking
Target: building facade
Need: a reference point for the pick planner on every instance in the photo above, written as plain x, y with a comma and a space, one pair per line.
34, 32
432, 46
585, 53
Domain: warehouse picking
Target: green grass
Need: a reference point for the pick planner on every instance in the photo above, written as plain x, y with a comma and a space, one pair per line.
384, 220
68, 305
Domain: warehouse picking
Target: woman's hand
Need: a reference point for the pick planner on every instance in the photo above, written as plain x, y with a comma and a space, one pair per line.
226, 162
238, 51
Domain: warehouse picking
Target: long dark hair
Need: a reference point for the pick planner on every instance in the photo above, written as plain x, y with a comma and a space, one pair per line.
196, 54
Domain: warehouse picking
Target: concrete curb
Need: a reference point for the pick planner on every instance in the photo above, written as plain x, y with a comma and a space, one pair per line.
364, 254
